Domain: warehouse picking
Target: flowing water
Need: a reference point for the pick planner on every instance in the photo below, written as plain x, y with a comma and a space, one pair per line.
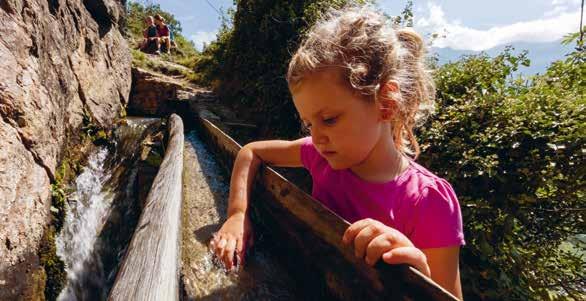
265, 276
101, 214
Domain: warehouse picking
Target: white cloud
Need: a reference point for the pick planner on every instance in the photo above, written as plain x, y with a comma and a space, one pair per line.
565, 2
562, 6
203, 37
556, 10
461, 37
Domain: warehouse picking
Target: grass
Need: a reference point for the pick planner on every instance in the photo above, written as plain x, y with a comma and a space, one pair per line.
142, 60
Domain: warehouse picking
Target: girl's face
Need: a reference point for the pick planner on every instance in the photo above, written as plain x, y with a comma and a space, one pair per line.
344, 127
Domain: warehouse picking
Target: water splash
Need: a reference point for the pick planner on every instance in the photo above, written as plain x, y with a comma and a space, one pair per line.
100, 214
85, 216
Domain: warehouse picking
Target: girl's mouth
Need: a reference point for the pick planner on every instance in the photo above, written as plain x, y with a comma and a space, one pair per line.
328, 153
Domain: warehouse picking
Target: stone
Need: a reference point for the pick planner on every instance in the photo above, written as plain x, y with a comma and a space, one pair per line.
58, 59
155, 94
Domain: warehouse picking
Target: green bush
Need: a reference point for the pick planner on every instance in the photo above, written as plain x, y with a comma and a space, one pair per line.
210, 63
514, 151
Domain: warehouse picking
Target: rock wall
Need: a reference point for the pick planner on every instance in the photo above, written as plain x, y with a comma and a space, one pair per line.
60, 60
156, 94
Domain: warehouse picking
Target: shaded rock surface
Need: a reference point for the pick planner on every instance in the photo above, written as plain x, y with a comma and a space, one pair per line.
60, 60
162, 92
158, 94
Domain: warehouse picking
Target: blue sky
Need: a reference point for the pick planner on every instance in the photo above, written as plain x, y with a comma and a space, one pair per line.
468, 25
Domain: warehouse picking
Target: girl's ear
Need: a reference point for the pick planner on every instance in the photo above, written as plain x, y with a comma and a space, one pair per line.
387, 100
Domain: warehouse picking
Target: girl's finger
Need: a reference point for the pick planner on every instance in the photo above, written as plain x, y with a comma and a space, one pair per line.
222, 242
239, 245
363, 238
354, 229
228, 254
240, 250
220, 246
376, 248
408, 255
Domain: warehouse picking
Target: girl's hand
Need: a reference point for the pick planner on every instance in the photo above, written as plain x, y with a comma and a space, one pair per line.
230, 243
373, 240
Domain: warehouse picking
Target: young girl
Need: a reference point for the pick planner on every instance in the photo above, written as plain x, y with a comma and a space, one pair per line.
360, 87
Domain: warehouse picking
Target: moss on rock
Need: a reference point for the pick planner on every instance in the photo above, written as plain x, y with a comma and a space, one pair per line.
53, 265
53, 273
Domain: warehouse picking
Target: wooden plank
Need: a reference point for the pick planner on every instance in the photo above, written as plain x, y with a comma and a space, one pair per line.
150, 269
318, 232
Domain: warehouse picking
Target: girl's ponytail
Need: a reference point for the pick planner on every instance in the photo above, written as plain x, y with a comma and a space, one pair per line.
417, 90
411, 41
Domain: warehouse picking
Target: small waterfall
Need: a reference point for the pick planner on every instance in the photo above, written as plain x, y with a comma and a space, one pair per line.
101, 215
85, 217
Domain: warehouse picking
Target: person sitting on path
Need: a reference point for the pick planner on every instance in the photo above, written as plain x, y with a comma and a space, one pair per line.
150, 43
163, 33
360, 87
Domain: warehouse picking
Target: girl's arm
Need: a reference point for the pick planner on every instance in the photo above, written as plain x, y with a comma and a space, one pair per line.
445, 270
235, 232
273, 152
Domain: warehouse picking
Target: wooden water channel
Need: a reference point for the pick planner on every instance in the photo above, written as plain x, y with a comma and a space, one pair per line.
150, 268
312, 234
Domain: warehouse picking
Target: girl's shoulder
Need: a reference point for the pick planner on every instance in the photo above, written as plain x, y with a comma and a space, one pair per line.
435, 219
418, 179
423, 191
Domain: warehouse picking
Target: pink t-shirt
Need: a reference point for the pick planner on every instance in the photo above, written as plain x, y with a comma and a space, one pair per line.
418, 203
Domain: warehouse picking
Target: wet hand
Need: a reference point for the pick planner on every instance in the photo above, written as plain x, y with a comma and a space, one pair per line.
374, 240
231, 241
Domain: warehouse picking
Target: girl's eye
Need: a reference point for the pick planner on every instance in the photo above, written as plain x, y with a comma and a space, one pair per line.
330, 121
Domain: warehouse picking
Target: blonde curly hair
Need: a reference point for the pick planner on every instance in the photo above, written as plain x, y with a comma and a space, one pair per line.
369, 52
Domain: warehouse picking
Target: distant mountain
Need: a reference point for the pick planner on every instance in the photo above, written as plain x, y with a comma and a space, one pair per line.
540, 54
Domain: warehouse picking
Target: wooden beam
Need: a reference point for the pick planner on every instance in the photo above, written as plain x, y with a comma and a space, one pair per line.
150, 269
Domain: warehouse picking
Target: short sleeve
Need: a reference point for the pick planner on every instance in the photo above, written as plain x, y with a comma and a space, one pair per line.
437, 218
309, 155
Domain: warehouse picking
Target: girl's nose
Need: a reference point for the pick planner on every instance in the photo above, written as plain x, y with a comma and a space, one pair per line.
318, 136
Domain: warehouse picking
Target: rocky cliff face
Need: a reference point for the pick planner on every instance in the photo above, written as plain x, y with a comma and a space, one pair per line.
60, 60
